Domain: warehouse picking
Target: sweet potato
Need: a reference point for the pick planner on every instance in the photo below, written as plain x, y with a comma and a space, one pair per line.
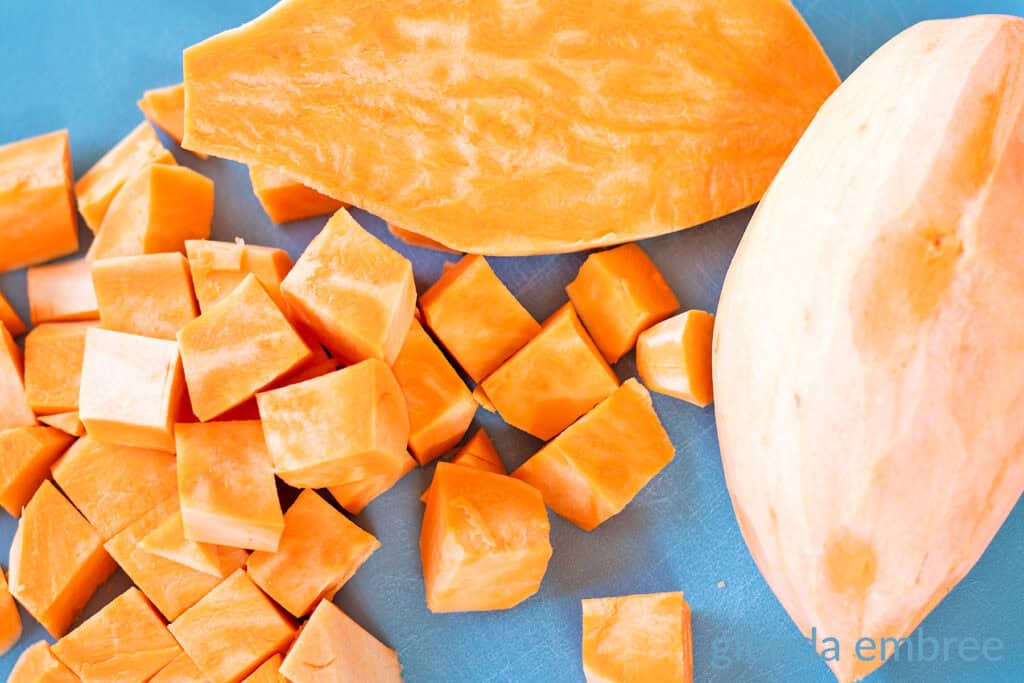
61, 292
168, 541
478, 453
53, 366
14, 408
268, 672
165, 109
38, 665
219, 267
10, 618
417, 240
181, 669
354, 496
28, 453
65, 422
674, 357
10, 318
148, 295
286, 199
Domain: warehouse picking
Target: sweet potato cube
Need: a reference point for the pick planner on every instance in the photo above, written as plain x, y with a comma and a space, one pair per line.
485, 540
57, 560
558, 376
674, 357
237, 347
97, 188
232, 630
38, 665
476, 317
26, 454
10, 318
114, 485
65, 422
618, 294
226, 485
131, 389
268, 672
61, 292
354, 496
149, 295
219, 267
331, 648
10, 619
478, 453
593, 469
37, 212
320, 550
482, 400
338, 428
14, 408
285, 199
165, 109
168, 541
439, 403
125, 641
353, 291
53, 366
181, 669
637, 638
157, 210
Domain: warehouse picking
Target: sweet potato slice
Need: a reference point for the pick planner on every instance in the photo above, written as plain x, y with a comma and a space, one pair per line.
10, 619
353, 291
38, 665
219, 267
268, 672
637, 638
674, 357
14, 408
65, 422
478, 453
168, 541
485, 540
125, 641
37, 212
181, 669
165, 109
28, 453
53, 366
593, 469
286, 199
61, 292
618, 294
417, 240
320, 550
232, 630
149, 295
557, 377
57, 560
10, 318
354, 496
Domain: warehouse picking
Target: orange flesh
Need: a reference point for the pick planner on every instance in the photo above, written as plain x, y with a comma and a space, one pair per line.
180, 670
65, 422
62, 292
480, 396
53, 366
417, 240
168, 541
285, 199
674, 357
28, 453
165, 109
269, 671
38, 665
10, 619
37, 212
10, 318
478, 453
356, 495
147, 295
14, 408
219, 267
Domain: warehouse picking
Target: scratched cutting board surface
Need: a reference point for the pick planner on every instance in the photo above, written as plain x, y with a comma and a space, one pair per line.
82, 65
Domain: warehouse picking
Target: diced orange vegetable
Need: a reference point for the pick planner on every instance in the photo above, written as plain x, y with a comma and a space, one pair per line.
37, 213
14, 408
114, 485
10, 619
168, 541
320, 550
637, 638
268, 672
61, 292
356, 495
172, 587
286, 199
65, 422
38, 665
593, 469
131, 389
336, 429
165, 109
476, 317
10, 318
27, 453
558, 376
57, 560
226, 485
232, 630
218, 267
674, 357
180, 670
485, 540
480, 396
53, 366
417, 240
618, 294
439, 403
125, 641
157, 210
149, 295
103, 182
478, 453
331, 648
353, 291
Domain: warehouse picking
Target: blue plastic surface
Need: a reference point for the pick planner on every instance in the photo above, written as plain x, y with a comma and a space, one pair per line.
82, 65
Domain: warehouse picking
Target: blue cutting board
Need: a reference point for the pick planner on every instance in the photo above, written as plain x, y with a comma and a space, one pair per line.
82, 65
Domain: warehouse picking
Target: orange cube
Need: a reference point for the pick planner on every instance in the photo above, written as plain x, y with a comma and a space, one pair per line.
480, 396
558, 376
268, 672
165, 109
619, 293
478, 453
168, 541
14, 408
57, 560
53, 366
10, 318
335, 429
149, 295
232, 630
61, 292
331, 648
439, 403
285, 199
131, 389
354, 292
28, 453
356, 495
491, 559
158, 209
181, 669
674, 357
476, 317
38, 665
10, 618
101, 184
637, 638
125, 641
37, 213
226, 486
320, 550
114, 485
219, 267
593, 469
65, 422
